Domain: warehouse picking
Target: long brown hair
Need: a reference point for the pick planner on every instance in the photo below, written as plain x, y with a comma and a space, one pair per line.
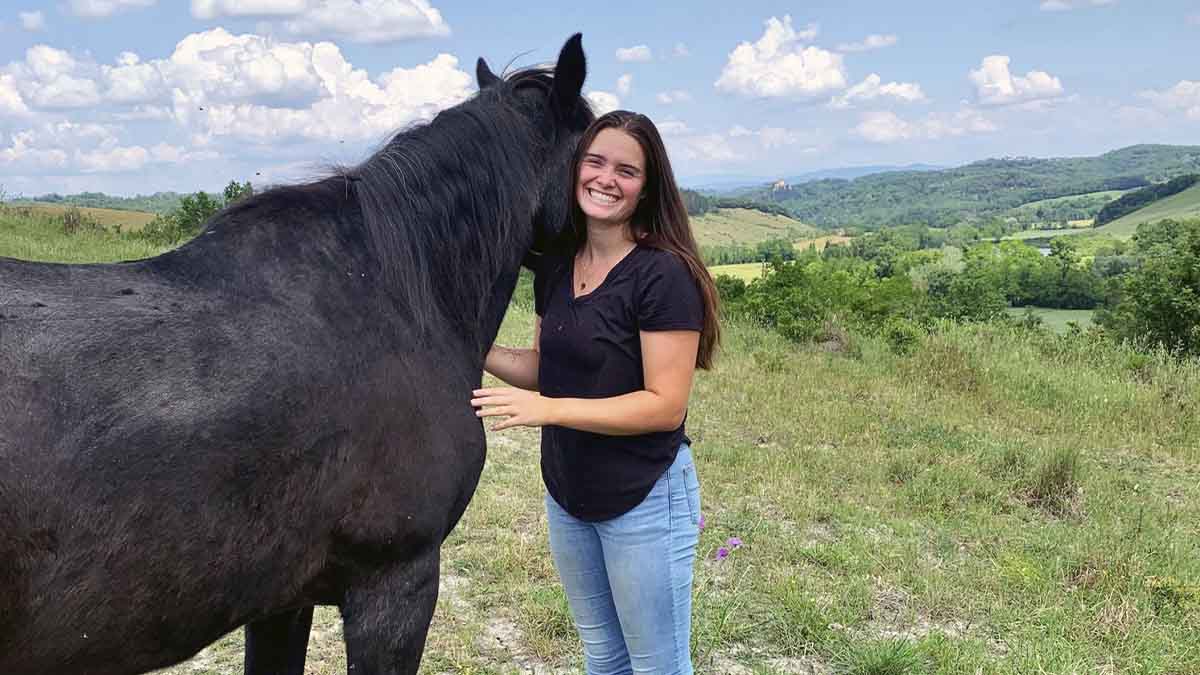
659, 220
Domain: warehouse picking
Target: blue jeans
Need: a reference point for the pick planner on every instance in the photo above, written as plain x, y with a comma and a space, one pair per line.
629, 579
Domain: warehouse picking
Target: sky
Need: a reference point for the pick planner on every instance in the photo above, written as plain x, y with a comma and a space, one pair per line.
136, 96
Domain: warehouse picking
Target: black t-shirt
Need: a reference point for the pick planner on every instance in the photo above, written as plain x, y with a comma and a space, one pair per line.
590, 348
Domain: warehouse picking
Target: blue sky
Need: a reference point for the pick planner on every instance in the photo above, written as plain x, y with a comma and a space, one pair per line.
134, 96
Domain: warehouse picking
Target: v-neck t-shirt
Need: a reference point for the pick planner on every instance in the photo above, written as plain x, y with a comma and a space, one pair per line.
590, 347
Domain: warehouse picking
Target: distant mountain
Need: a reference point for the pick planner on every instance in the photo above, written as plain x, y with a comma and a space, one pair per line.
851, 172
979, 190
736, 184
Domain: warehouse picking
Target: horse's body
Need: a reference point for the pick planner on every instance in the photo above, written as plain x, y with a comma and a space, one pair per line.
272, 416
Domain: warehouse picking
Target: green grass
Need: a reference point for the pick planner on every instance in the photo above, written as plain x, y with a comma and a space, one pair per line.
745, 271
746, 226
1057, 320
1178, 206
118, 218
1107, 195
995, 501
32, 234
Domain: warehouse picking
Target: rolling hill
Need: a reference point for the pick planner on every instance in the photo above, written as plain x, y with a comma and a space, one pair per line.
746, 226
976, 191
1178, 206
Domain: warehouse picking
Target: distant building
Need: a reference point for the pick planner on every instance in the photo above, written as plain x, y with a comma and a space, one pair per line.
779, 185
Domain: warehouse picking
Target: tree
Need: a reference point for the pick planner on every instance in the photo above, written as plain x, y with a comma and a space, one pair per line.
235, 191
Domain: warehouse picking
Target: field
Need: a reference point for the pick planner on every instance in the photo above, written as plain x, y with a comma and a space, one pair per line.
1182, 205
821, 242
746, 226
110, 218
992, 502
37, 234
745, 271
1057, 320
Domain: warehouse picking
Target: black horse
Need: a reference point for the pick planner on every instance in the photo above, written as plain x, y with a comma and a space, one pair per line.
277, 414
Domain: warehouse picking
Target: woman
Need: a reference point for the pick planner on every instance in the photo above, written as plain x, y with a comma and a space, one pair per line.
625, 314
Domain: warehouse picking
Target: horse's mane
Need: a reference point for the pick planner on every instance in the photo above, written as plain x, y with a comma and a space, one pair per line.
436, 238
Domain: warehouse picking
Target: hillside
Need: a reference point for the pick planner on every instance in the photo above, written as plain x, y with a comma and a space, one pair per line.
1178, 206
746, 226
979, 190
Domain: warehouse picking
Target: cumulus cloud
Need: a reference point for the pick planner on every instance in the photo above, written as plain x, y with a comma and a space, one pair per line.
32, 21
624, 84
637, 54
779, 65
871, 88
52, 79
219, 85
1067, 5
673, 96
364, 21
1183, 97
672, 127
888, 127
603, 101
11, 101
211, 9
96, 9
869, 43
995, 85
86, 147
681, 50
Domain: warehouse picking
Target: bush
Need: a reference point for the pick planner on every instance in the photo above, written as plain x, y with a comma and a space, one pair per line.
901, 334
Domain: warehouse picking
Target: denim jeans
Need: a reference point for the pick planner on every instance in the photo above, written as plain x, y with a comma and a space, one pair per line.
629, 579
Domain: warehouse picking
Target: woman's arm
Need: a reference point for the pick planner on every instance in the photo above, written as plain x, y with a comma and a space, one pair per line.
518, 367
668, 363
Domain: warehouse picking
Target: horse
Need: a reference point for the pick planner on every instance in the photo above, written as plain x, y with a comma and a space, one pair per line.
276, 414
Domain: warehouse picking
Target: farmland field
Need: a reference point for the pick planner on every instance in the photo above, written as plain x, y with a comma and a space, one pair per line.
1178, 206
1056, 320
37, 234
746, 226
745, 271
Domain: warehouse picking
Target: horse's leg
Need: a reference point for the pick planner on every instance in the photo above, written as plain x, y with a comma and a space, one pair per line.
278, 645
387, 616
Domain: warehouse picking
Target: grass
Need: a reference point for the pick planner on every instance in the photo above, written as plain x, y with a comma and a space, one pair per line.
110, 218
33, 234
746, 226
745, 271
995, 501
1057, 320
1178, 206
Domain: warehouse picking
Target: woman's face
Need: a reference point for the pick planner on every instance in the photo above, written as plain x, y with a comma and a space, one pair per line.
611, 177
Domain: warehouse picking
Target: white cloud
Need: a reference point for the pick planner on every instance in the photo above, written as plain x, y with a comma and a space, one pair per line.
211, 9
777, 65
11, 101
874, 41
624, 84
673, 96
1067, 5
870, 89
371, 21
887, 127
995, 85
672, 127
705, 148
681, 50
95, 9
603, 101
51, 78
1183, 97
637, 54
32, 21
363, 21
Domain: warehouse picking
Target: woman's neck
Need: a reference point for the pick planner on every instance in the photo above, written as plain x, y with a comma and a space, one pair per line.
606, 241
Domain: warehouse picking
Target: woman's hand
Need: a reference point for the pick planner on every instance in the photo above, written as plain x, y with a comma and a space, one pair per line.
523, 407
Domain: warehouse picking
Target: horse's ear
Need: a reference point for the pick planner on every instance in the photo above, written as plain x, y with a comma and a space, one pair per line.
484, 75
569, 73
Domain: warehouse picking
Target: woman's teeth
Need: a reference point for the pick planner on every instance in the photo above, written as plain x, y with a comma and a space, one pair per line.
601, 197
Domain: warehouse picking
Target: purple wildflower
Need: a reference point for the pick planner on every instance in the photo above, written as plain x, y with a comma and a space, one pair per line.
702, 521
733, 543
722, 553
